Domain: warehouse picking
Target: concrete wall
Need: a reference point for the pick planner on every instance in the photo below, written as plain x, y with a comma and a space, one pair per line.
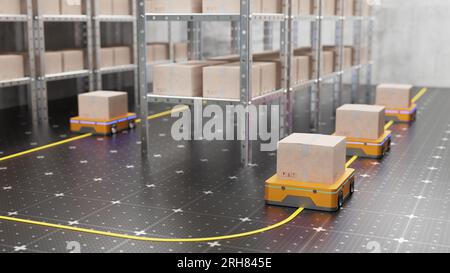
412, 42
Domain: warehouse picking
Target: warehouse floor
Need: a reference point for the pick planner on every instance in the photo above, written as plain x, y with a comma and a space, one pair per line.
198, 189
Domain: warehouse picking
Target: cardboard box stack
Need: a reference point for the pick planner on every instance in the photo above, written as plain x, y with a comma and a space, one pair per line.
113, 7
234, 6
360, 121
10, 7
63, 61
349, 57
157, 52
223, 81
181, 79
394, 96
180, 52
350, 7
102, 105
173, 6
329, 7
60, 7
115, 56
302, 7
311, 158
13, 66
328, 61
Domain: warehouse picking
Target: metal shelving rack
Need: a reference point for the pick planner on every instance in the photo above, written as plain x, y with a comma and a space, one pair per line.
241, 31
42, 79
125, 19
30, 80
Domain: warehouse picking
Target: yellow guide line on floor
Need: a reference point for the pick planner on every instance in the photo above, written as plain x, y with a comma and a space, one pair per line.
155, 116
149, 239
419, 95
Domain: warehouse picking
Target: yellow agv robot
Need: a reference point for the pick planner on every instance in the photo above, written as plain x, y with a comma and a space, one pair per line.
402, 115
103, 127
310, 195
367, 148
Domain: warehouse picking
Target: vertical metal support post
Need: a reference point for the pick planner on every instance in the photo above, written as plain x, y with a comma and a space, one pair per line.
195, 40
41, 83
135, 53
316, 32
356, 73
268, 35
235, 37
30, 43
371, 22
286, 50
141, 63
246, 75
89, 44
97, 43
339, 66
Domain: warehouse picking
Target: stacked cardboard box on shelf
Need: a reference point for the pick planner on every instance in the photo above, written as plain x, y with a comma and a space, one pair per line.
63, 61
157, 52
10, 7
12, 66
113, 7
60, 7
173, 6
394, 96
360, 121
115, 56
311, 158
223, 81
302, 7
180, 79
234, 6
329, 7
102, 105
180, 51
348, 58
328, 58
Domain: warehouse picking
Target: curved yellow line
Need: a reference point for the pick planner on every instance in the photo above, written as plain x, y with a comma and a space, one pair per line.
388, 125
350, 162
419, 95
158, 240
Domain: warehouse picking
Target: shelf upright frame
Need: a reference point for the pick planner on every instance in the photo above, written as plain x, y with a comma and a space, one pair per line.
42, 79
286, 50
33, 102
316, 39
357, 35
339, 65
371, 26
245, 81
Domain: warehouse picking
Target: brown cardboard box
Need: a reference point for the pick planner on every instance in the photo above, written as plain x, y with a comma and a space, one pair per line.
174, 6
271, 6
73, 7
394, 96
73, 60
360, 121
12, 67
365, 8
302, 7
10, 7
53, 62
303, 68
228, 6
122, 56
329, 7
121, 7
180, 51
106, 57
103, 105
328, 62
104, 7
311, 158
228, 58
157, 52
349, 53
349, 9
268, 78
181, 79
223, 81
49, 7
